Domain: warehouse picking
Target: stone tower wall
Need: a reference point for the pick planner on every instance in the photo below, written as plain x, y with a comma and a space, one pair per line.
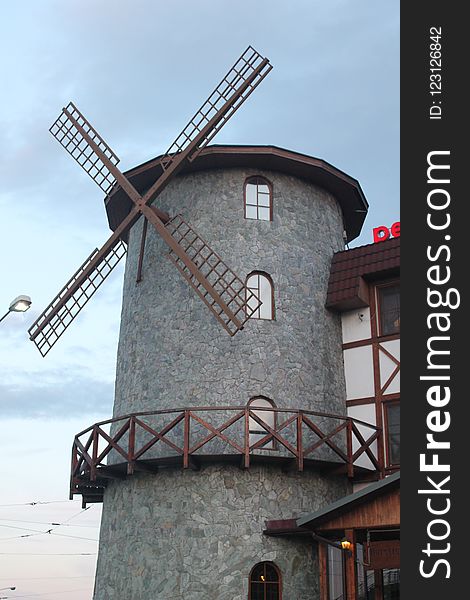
186, 535
173, 352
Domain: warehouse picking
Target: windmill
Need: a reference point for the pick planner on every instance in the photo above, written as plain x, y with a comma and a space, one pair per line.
217, 285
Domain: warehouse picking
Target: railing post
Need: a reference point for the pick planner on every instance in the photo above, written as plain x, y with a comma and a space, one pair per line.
186, 440
73, 467
300, 449
131, 449
246, 457
94, 454
349, 444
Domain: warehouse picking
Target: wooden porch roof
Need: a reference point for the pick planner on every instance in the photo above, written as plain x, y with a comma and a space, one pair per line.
377, 505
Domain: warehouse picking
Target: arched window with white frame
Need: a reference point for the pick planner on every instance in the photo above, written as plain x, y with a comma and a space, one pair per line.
257, 431
262, 287
258, 195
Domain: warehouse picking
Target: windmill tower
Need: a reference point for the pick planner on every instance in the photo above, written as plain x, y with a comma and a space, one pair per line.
212, 433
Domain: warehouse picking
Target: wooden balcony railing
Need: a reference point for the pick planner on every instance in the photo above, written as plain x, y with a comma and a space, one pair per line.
190, 437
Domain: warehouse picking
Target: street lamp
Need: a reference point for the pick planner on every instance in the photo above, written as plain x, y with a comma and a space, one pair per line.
8, 588
19, 304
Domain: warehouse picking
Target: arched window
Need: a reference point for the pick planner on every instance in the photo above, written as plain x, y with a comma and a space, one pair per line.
258, 199
262, 286
265, 582
257, 430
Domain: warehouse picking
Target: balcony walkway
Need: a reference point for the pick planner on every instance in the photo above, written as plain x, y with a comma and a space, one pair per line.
193, 437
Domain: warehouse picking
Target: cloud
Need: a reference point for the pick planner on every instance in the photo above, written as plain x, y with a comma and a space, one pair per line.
55, 395
138, 71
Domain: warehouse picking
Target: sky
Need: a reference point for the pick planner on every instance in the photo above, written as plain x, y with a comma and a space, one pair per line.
138, 70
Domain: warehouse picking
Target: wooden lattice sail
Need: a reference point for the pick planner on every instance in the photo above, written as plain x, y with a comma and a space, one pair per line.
216, 284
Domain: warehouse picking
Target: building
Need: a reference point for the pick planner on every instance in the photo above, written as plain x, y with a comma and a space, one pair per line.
364, 287
214, 436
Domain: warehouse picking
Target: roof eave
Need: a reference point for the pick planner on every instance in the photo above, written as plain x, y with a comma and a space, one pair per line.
344, 188
378, 488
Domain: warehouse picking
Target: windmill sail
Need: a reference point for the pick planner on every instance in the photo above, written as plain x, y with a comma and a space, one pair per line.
224, 292
220, 288
71, 129
81, 140
55, 319
241, 80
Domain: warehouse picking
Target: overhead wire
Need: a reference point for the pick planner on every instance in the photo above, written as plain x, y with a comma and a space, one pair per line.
48, 553
35, 503
47, 593
50, 531
45, 523
44, 578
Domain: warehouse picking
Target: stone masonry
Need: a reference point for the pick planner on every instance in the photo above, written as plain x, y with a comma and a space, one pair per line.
196, 535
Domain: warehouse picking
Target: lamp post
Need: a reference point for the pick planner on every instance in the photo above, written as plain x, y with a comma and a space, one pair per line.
19, 304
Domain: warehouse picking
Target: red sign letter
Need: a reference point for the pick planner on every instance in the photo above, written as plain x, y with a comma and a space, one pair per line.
381, 233
395, 229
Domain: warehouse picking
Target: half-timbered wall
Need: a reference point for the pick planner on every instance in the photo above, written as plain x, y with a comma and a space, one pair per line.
372, 367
